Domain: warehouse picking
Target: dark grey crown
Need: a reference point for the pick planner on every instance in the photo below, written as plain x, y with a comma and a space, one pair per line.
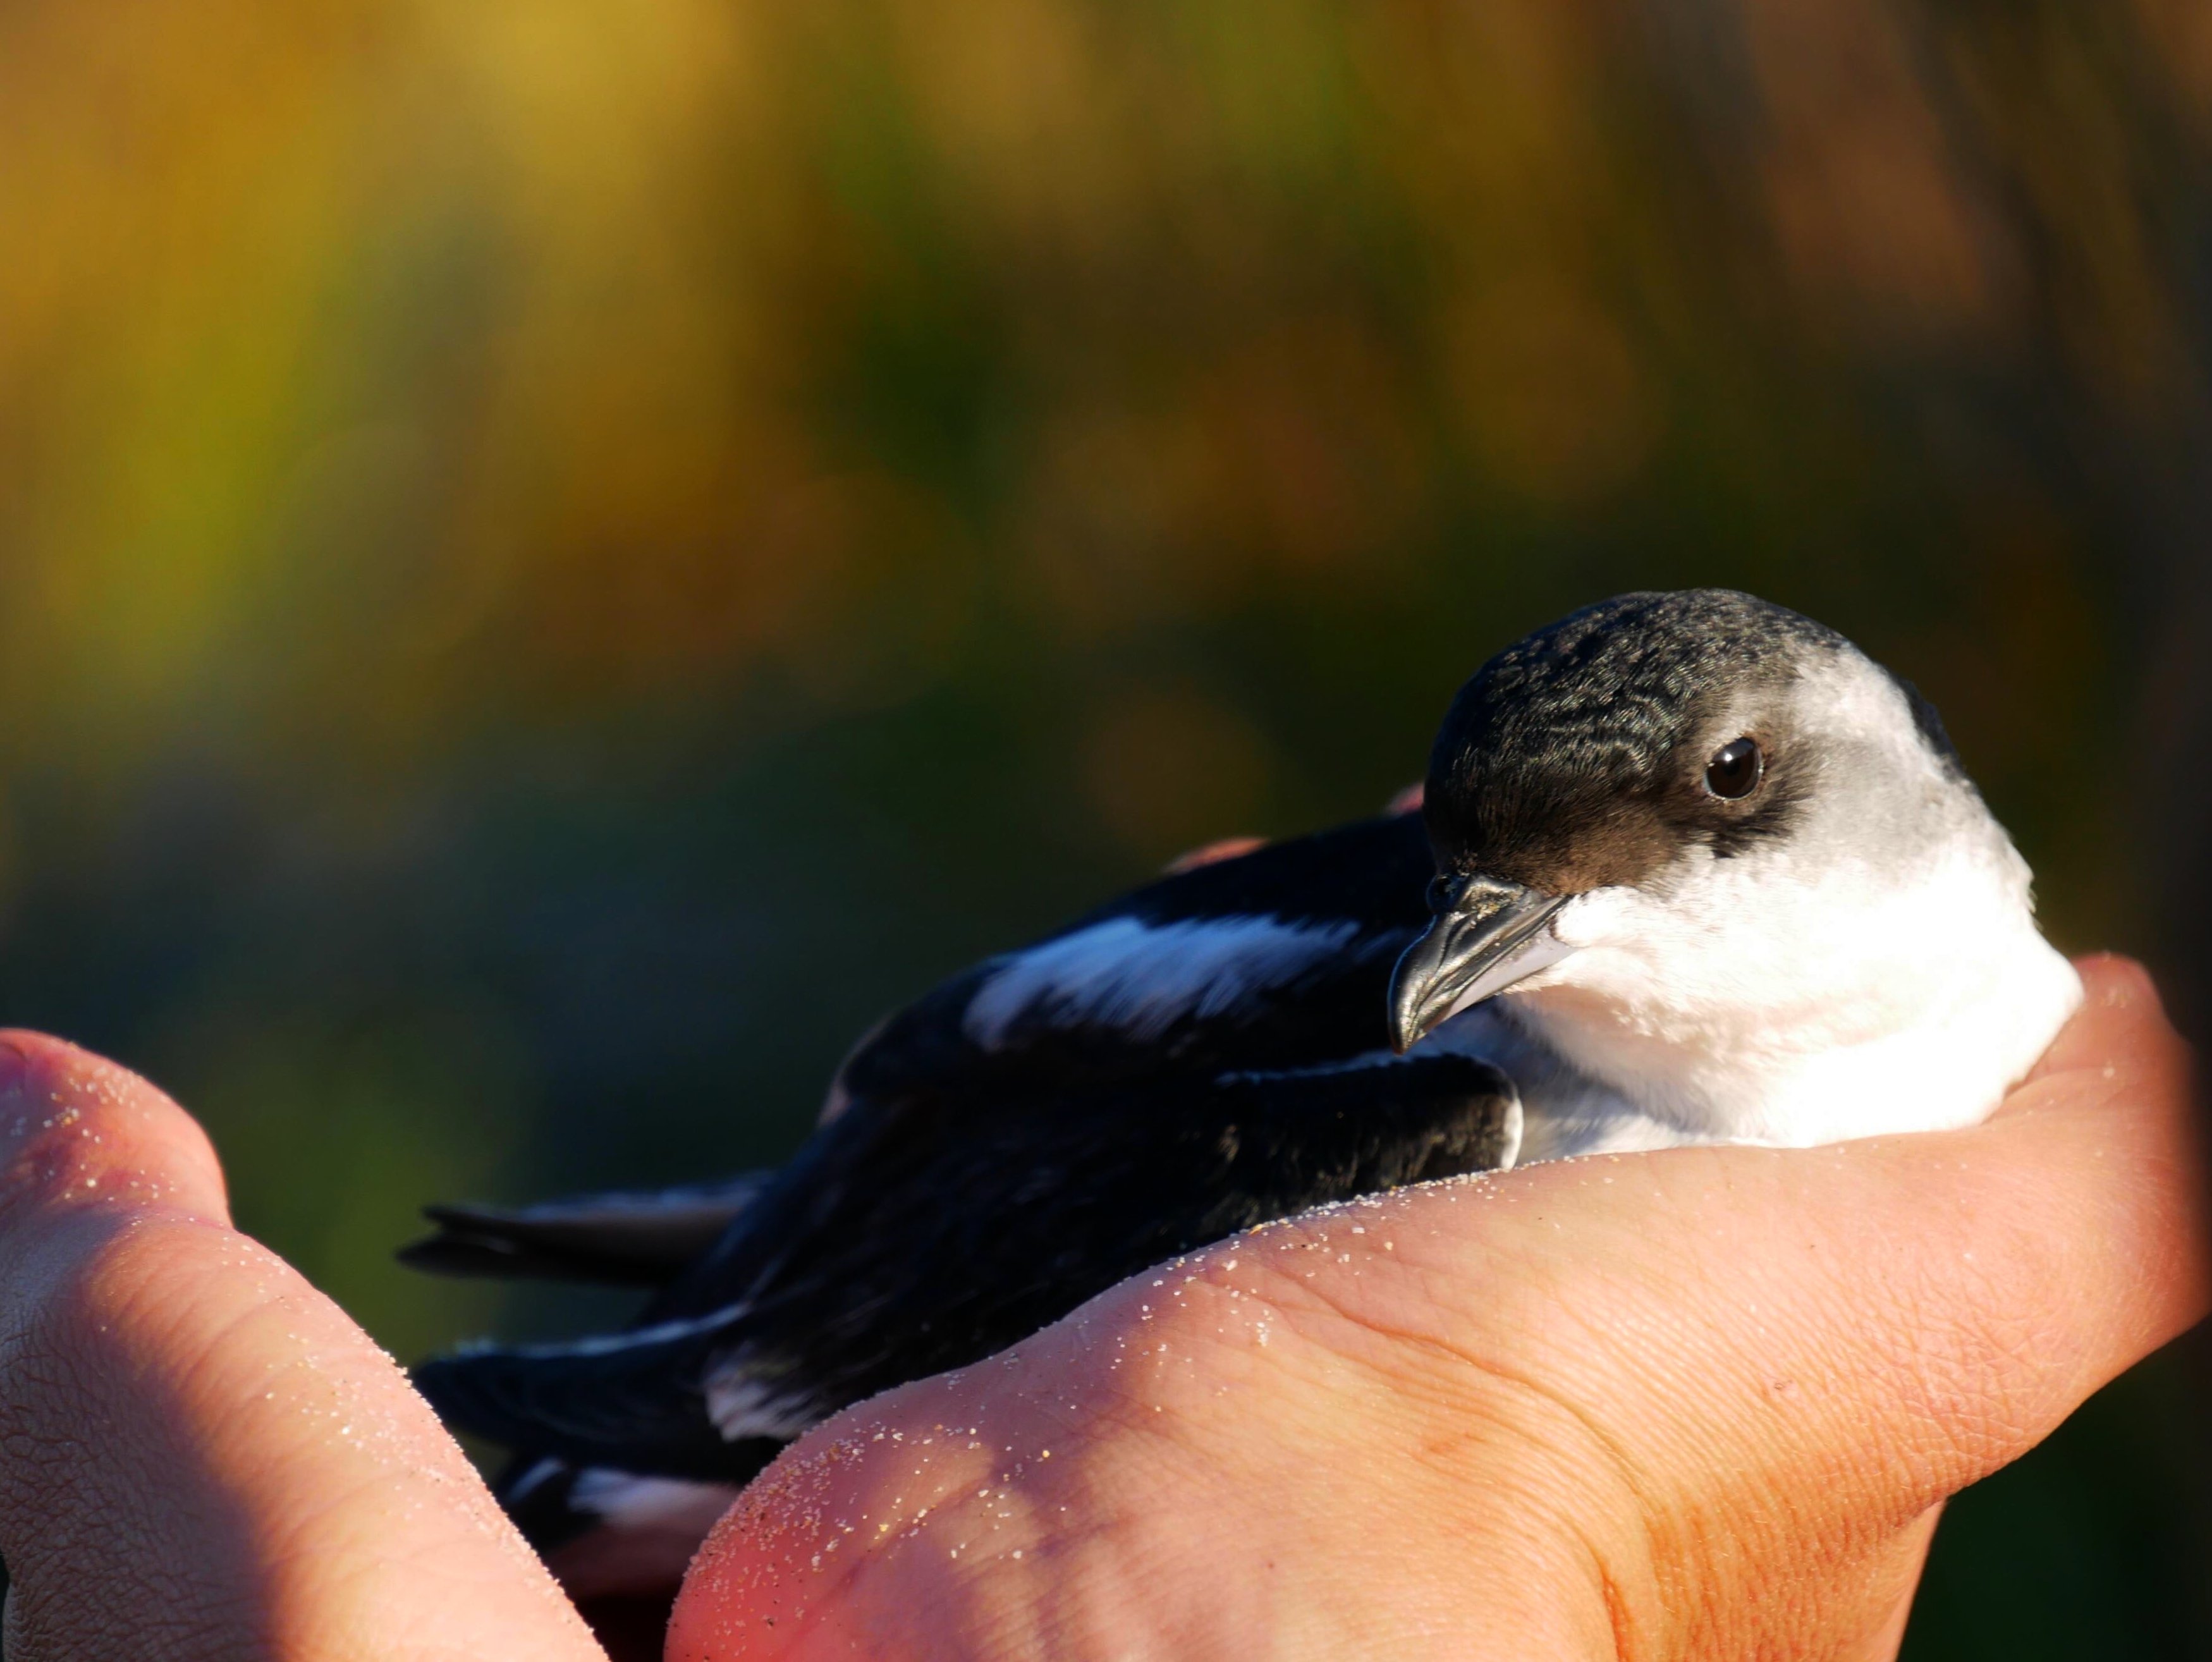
1563, 763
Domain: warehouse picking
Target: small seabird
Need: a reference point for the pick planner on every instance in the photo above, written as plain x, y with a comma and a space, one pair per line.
1688, 867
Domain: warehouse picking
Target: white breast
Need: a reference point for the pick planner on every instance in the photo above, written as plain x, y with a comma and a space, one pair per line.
1755, 1007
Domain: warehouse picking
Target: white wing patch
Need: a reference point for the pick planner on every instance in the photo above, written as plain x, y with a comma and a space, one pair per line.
1126, 974
627, 1501
649, 1528
742, 1406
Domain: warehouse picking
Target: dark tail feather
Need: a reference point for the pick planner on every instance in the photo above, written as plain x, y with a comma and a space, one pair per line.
628, 1240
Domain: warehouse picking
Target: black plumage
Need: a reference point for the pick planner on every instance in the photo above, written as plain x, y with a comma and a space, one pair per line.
1207, 1053
633, 1239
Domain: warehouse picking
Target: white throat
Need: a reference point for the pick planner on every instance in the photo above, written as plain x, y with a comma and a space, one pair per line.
1753, 1005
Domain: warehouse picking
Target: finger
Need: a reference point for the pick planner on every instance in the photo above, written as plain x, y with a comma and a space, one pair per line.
2121, 1025
200, 1456
1908, 1560
2083, 1207
1796, 1352
1743, 1376
1926, 1308
77, 1132
2090, 1187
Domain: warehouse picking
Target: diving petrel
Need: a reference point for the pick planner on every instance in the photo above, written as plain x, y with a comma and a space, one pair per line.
1688, 867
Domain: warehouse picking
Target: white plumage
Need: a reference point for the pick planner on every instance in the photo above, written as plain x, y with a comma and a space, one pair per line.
1141, 978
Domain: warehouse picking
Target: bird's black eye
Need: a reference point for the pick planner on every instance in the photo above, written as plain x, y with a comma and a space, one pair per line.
1736, 770
1442, 891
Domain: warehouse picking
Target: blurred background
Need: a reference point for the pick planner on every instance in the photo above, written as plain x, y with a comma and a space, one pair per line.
556, 559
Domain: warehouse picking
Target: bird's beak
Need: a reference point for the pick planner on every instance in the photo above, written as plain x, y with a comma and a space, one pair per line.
1488, 934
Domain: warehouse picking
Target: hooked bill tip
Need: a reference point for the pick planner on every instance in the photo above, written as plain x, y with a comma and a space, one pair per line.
1487, 934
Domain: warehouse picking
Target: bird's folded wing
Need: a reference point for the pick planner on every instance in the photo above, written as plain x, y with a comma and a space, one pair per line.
905, 1251
1277, 957
634, 1401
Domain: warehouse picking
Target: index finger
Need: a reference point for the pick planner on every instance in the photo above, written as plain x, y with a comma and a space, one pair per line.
200, 1456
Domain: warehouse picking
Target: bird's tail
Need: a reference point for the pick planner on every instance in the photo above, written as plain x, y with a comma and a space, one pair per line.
636, 1402
634, 1239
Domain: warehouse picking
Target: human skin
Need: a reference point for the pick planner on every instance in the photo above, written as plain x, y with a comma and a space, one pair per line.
1698, 1404
200, 1456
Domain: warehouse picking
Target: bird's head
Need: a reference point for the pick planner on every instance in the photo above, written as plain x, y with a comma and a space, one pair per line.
1670, 808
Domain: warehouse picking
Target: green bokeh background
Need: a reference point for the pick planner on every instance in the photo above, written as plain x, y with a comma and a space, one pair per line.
556, 559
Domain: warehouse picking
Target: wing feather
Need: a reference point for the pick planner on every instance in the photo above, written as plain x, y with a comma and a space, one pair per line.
1277, 957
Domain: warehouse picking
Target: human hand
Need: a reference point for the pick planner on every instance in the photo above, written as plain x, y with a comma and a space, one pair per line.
1544, 1418
1700, 1403
200, 1456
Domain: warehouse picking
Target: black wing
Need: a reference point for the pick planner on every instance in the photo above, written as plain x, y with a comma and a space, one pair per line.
1274, 959
1277, 959
903, 1241
1205, 1053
